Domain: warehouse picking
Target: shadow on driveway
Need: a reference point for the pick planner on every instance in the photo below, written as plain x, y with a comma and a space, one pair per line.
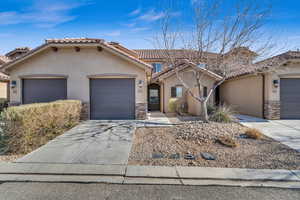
91, 142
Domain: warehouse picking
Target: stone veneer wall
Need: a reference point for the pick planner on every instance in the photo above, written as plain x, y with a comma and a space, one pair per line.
141, 110
272, 109
85, 111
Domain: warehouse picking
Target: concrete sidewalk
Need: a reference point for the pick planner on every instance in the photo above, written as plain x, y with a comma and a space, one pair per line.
21, 172
285, 131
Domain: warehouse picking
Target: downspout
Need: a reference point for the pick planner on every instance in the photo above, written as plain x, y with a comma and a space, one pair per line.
263, 96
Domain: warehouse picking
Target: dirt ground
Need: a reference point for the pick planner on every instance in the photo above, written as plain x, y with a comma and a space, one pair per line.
260, 154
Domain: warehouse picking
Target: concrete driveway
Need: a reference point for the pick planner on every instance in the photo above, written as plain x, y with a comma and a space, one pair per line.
91, 142
284, 131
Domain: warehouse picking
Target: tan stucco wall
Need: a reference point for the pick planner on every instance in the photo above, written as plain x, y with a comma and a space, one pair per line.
3, 89
291, 70
189, 79
244, 95
77, 66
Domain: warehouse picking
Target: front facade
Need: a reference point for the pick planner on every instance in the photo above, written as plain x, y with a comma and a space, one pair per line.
110, 83
114, 82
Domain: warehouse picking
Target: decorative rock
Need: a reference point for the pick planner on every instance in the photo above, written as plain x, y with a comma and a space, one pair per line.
208, 156
174, 156
158, 155
189, 157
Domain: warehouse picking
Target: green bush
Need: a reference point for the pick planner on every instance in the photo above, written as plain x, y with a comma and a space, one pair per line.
27, 127
3, 104
223, 114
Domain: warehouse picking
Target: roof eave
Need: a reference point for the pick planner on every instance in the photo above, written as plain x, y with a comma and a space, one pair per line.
38, 49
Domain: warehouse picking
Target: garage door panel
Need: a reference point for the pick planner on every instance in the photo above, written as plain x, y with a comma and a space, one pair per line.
290, 98
112, 98
44, 90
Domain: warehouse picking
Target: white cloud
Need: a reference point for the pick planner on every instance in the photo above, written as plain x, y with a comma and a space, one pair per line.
151, 16
135, 12
113, 33
139, 29
130, 25
42, 14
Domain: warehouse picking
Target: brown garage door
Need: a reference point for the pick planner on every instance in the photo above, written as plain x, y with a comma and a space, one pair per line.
290, 98
44, 90
112, 99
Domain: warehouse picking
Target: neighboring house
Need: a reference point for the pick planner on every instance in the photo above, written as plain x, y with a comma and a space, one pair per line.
17, 52
4, 79
111, 83
269, 90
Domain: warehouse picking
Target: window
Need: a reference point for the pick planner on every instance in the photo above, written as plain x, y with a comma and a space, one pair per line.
204, 91
176, 91
156, 67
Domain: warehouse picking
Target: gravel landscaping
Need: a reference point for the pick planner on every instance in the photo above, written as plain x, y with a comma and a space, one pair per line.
172, 146
9, 158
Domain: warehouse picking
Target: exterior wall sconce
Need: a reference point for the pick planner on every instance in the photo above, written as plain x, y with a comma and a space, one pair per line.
276, 83
140, 83
13, 84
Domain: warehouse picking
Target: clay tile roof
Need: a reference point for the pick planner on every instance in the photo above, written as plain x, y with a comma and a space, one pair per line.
18, 49
73, 40
264, 64
3, 76
79, 41
4, 59
148, 54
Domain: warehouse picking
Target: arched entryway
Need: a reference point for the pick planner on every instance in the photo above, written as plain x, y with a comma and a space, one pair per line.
154, 97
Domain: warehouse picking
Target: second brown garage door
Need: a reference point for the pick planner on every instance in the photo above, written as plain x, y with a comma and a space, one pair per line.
43, 90
112, 99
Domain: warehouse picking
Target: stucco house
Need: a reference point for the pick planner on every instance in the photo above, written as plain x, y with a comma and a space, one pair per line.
4, 79
270, 89
113, 82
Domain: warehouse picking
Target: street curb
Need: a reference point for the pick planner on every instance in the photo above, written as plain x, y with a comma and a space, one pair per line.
157, 175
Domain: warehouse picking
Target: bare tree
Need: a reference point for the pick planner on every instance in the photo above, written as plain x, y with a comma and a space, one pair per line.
229, 34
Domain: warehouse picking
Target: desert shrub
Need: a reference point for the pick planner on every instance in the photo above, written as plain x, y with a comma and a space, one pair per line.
178, 105
211, 109
173, 104
227, 141
253, 133
3, 104
223, 114
27, 127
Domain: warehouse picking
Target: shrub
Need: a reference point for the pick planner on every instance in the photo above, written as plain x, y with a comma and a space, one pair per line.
228, 141
30, 126
173, 104
223, 114
253, 133
211, 109
3, 104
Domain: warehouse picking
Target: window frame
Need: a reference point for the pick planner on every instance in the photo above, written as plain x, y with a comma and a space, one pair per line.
175, 91
155, 66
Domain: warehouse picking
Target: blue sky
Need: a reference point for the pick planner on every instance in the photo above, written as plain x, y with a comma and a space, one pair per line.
130, 22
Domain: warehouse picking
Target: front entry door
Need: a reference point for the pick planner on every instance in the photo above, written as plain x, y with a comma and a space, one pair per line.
154, 97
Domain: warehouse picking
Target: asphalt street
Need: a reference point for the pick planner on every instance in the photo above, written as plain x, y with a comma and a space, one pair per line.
70, 191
